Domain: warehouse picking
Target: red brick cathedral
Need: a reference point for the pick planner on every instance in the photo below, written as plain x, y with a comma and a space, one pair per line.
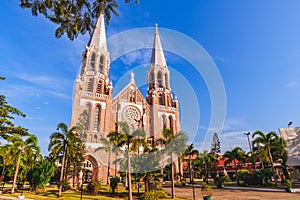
96, 108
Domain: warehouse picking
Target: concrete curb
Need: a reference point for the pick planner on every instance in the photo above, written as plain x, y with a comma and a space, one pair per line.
255, 189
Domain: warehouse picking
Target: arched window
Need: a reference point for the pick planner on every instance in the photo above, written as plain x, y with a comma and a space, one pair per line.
101, 65
84, 138
164, 121
152, 79
90, 85
93, 61
132, 96
99, 87
160, 99
168, 101
97, 118
167, 81
159, 79
88, 114
87, 164
171, 123
95, 139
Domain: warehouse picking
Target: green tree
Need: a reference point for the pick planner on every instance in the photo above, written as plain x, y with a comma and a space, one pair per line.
174, 145
22, 149
114, 137
65, 142
205, 164
266, 142
39, 175
216, 144
6, 160
189, 152
73, 17
236, 154
7, 114
125, 140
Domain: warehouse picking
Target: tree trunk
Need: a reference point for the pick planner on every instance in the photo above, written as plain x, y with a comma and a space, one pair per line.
108, 168
129, 175
116, 164
272, 165
190, 171
16, 175
236, 174
179, 167
61, 173
172, 179
146, 185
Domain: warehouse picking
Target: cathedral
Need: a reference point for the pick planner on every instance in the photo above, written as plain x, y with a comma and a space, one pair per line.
93, 100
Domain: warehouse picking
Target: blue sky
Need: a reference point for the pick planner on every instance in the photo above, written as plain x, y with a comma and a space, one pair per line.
254, 44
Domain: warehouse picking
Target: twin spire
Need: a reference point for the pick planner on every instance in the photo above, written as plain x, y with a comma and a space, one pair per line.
98, 40
157, 57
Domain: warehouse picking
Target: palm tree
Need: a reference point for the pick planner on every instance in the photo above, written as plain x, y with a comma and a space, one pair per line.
265, 142
19, 148
174, 144
108, 146
236, 154
62, 142
125, 139
189, 152
114, 137
205, 162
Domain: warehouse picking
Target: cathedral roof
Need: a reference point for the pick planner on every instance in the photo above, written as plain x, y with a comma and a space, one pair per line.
158, 57
98, 38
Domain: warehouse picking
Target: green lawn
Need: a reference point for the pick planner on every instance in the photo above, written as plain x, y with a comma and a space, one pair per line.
51, 192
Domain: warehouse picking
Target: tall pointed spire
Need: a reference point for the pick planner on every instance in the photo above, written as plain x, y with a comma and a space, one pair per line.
158, 57
98, 38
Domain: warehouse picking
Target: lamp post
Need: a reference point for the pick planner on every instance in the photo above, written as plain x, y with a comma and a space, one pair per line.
247, 134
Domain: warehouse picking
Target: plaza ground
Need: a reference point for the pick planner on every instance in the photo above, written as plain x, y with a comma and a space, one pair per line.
181, 193
228, 194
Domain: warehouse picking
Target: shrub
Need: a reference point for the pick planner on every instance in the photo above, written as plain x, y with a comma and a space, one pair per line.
65, 185
219, 181
288, 183
94, 187
154, 195
114, 183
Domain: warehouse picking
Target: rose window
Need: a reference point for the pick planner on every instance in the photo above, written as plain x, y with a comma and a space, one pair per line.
131, 114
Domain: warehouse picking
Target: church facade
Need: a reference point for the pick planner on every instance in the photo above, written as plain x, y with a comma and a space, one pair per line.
97, 110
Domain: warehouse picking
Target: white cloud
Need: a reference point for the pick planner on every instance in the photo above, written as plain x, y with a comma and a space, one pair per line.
230, 140
15, 91
222, 59
45, 81
138, 56
233, 124
291, 84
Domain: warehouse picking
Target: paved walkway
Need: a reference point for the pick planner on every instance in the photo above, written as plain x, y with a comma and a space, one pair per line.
236, 193
12, 198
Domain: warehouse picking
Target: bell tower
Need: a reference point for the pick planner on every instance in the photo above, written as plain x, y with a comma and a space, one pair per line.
93, 89
164, 109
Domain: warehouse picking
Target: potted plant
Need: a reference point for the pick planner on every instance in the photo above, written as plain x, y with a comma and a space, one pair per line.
206, 192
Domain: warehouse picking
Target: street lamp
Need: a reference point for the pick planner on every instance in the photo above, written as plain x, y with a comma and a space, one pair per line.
248, 133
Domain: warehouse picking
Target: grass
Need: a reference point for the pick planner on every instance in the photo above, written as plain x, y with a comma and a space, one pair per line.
50, 193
